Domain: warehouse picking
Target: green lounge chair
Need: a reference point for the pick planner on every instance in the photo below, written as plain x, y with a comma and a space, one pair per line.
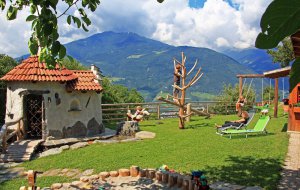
260, 127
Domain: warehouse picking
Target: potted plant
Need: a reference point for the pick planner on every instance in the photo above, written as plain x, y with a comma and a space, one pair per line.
285, 104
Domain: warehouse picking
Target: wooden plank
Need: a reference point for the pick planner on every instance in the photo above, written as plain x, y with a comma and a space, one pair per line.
250, 76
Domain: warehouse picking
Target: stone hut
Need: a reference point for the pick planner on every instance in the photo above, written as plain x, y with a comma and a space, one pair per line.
55, 102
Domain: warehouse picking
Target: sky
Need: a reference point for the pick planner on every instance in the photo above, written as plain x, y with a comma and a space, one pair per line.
215, 24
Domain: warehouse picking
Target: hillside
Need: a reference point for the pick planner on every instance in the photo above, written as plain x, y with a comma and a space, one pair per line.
147, 65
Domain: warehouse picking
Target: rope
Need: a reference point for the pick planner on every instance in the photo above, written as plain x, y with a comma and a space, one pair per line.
249, 88
244, 84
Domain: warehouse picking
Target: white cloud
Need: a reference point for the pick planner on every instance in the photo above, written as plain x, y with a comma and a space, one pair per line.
217, 25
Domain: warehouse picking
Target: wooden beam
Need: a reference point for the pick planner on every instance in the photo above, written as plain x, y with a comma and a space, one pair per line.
250, 76
175, 104
240, 86
276, 98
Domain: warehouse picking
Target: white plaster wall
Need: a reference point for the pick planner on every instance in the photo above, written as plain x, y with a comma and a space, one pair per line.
57, 116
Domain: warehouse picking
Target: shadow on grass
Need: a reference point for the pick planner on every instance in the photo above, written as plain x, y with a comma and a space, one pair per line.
197, 125
248, 171
284, 128
243, 136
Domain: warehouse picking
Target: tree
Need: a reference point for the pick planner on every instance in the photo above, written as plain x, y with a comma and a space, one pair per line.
73, 64
44, 17
280, 20
6, 64
268, 94
114, 93
283, 53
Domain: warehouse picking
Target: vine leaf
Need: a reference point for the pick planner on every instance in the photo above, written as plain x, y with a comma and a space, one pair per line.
281, 19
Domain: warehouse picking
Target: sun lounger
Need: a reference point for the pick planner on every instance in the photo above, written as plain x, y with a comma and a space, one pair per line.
220, 130
260, 127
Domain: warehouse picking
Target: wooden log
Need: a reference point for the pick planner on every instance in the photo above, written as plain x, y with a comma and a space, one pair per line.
151, 173
165, 176
188, 112
124, 172
23, 188
142, 173
103, 175
134, 171
276, 98
185, 184
175, 104
172, 180
179, 180
158, 176
191, 184
114, 173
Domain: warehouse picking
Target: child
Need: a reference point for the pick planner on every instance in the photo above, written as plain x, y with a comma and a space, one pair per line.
138, 115
239, 104
177, 75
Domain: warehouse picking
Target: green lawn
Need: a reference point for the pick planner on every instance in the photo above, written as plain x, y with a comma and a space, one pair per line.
253, 161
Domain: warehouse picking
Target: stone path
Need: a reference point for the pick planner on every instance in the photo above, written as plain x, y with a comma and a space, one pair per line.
291, 170
9, 171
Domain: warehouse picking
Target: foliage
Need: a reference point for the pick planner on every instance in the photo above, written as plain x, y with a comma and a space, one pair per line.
73, 64
6, 64
114, 93
269, 94
256, 161
230, 94
283, 53
281, 19
294, 74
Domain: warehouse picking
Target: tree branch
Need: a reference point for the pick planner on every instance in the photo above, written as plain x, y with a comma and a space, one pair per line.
68, 8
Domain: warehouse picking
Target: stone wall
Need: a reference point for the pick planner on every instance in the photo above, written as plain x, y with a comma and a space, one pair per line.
66, 114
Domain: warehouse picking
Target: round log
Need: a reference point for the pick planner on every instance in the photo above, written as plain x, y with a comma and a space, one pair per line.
114, 173
103, 175
191, 184
134, 171
142, 173
185, 184
158, 176
124, 172
23, 188
171, 180
179, 180
151, 173
165, 176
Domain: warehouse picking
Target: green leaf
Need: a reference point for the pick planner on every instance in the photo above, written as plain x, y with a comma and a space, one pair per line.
281, 19
11, 13
85, 3
2, 4
86, 20
69, 19
48, 28
31, 18
294, 74
81, 11
32, 9
62, 52
160, 1
33, 46
53, 3
55, 48
55, 36
84, 28
77, 21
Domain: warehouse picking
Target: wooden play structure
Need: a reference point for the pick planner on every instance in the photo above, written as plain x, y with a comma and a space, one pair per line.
184, 110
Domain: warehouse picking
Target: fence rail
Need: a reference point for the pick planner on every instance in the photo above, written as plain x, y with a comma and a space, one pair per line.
161, 110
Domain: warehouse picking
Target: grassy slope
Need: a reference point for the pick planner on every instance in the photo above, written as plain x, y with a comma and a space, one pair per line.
253, 161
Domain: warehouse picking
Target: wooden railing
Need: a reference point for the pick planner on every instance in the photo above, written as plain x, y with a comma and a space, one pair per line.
7, 134
161, 110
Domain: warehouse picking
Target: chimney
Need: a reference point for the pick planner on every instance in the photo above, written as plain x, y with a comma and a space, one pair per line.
96, 72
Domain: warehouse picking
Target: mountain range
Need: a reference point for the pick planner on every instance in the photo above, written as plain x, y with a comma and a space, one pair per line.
147, 65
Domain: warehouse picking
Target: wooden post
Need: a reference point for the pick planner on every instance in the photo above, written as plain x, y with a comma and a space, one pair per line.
158, 111
276, 98
188, 112
182, 99
240, 86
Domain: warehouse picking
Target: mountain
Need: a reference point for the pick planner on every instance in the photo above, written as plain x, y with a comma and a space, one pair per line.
258, 60
147, 65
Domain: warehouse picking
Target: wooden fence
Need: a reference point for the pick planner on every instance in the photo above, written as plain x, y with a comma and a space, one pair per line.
161, 110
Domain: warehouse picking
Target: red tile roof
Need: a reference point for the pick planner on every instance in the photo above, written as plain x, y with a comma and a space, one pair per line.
31, 70
85, 81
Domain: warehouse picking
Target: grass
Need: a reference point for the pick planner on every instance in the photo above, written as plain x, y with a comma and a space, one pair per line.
253, 161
